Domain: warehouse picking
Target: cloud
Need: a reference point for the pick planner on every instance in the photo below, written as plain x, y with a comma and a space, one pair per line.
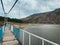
54, 4
24, 8
7, 5
23, 14
30, 4
38, 6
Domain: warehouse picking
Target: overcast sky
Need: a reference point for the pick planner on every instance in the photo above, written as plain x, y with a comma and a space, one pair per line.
24, 8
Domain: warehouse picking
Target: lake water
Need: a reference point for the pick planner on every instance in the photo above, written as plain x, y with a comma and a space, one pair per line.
47, 31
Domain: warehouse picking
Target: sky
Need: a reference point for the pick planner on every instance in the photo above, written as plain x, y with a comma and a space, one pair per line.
25, 8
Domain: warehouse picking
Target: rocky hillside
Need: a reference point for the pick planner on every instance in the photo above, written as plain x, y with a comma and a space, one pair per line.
52, 17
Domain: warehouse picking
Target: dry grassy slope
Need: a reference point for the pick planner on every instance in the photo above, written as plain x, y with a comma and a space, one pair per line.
52, 17
19, 25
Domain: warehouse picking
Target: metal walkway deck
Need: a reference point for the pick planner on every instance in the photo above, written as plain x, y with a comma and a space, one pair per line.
9, 38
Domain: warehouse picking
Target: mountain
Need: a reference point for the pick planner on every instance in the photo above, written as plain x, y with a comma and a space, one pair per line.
52, 17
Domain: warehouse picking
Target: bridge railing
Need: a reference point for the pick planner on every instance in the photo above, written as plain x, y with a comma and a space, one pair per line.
1, 34
31, 34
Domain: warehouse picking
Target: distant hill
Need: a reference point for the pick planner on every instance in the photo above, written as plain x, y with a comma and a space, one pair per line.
52, 17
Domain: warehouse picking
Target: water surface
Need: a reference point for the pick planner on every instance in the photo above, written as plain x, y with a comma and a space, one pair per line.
47, 31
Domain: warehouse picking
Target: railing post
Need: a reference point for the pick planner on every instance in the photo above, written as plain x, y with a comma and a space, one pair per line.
12, 28
3, 28
42, 42
31, 34
29, 39
23, 37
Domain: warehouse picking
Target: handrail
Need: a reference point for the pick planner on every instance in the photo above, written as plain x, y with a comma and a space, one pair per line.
43, 39
31, 34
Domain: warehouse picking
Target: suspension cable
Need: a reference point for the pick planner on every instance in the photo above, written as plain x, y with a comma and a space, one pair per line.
5, 20
13, 6
2, 6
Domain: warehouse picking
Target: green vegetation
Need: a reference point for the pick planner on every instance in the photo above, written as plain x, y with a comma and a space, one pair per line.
14, 20
10, 20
